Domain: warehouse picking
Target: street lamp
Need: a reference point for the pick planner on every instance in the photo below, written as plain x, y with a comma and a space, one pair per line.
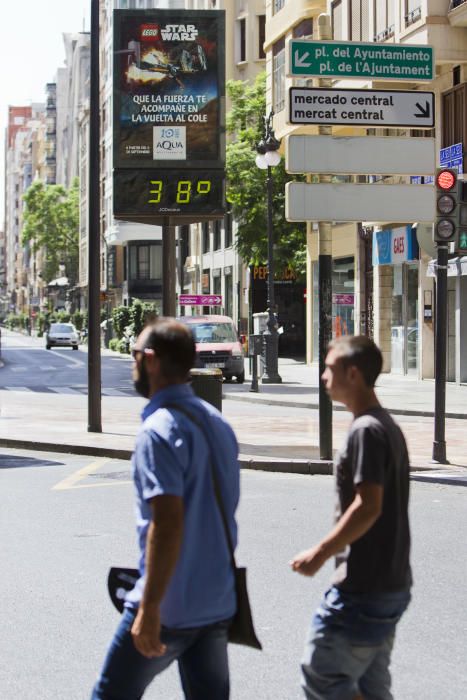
267, 158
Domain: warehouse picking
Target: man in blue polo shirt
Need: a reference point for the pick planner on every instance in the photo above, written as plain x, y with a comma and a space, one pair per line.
182, 604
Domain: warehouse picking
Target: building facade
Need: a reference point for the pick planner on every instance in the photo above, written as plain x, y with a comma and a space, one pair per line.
388, 298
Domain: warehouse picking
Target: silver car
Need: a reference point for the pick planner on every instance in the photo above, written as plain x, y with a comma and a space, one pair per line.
62, 334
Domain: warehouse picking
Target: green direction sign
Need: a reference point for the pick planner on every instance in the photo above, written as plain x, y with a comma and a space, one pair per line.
345, 59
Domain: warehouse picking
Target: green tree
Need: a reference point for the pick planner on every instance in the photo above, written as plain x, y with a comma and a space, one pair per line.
51, 223
246, 183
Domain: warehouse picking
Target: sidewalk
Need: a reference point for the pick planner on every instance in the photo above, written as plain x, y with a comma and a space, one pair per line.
401, 395
283, 437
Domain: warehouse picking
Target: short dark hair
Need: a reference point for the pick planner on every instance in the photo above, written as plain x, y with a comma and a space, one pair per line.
361, 352
174, 345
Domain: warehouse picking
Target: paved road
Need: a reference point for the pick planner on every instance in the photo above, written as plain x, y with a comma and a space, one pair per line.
66, 519
29, 367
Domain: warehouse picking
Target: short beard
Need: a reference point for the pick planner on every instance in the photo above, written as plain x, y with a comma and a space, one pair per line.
142, 383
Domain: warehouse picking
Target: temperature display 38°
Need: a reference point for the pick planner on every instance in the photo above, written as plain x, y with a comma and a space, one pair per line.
152, 193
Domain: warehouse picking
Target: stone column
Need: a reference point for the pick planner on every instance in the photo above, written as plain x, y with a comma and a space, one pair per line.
382, 301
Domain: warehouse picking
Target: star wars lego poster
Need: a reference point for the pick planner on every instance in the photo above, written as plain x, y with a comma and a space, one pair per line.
169, 96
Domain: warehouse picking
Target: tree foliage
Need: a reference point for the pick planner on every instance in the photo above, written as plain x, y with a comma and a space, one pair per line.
51, 223
246, 183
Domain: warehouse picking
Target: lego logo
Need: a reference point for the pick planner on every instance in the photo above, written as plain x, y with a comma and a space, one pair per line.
149, 31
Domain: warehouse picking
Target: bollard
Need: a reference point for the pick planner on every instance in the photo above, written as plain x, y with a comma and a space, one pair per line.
207, 384
255, 343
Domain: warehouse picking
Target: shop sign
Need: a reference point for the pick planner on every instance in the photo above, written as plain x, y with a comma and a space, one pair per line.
343, 299
393, 246
261, 272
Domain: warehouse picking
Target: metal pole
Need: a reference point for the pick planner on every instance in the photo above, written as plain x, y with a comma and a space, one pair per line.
271, 336
94, 329
169, 270
324, 286
439, 442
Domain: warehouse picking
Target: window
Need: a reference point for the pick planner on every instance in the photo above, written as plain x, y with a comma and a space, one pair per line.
304, 28
278, 64
413, 11
145, 262
228, 292
337, 21
384, 19
278, 5
454, 115
359, 20
205, 234
216, 239
261, 35
241, 38
228, 229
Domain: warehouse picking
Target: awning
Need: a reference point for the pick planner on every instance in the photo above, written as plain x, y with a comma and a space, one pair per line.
456, 267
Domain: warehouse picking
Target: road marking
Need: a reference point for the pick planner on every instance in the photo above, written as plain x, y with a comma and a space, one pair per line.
102, 483
17, 388
113, 392
70, 481
19, 369
74, 363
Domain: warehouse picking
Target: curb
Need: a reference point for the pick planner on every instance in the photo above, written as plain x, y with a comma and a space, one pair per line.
292, 466
315, 406
284, 466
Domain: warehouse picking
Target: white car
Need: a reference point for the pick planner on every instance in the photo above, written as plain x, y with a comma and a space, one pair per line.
64, 334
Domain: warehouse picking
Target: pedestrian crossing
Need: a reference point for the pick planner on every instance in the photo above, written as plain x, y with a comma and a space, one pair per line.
80, 389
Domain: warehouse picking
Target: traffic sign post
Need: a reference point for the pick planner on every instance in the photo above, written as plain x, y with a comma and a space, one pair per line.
344, 59
372, 108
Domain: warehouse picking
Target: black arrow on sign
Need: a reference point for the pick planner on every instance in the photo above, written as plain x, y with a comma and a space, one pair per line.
424, 112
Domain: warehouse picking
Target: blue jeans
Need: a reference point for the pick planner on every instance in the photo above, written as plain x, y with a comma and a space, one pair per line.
349, 647
201, 653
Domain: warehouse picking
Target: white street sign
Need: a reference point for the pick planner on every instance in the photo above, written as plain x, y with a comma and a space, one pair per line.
371, 108
353, 202
364, 155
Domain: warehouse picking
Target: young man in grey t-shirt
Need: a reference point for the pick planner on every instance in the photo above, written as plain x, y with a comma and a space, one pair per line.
349, 648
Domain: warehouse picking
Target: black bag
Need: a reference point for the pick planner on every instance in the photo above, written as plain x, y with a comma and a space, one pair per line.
119, 583
241, 630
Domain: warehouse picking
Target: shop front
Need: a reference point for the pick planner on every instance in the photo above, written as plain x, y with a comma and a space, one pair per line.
343, 300
396, 264
290, 299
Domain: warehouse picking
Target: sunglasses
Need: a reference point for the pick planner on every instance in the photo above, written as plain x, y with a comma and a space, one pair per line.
141, 351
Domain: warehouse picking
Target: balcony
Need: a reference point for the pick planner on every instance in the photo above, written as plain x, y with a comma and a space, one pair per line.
413, 16
385, 34
457, 13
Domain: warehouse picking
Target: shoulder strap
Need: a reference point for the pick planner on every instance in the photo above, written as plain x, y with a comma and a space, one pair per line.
215, 480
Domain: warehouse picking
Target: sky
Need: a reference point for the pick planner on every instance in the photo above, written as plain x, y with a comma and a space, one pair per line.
31, 50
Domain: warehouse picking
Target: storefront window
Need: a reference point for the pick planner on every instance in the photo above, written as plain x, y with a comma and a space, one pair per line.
404, 319
343, 301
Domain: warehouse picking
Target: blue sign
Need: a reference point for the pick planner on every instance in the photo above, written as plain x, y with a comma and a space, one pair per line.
452, 157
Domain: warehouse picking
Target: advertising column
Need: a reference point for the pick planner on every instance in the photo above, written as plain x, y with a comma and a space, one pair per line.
169, 115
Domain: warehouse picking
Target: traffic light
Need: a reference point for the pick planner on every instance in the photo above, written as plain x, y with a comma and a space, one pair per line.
447, 205
462, 232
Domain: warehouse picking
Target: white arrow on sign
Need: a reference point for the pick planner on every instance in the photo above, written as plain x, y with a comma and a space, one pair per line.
351, 202
363, 155
301, 61
373, 108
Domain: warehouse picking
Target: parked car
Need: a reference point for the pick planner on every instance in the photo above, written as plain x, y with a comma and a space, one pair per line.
217, 345
62, 334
